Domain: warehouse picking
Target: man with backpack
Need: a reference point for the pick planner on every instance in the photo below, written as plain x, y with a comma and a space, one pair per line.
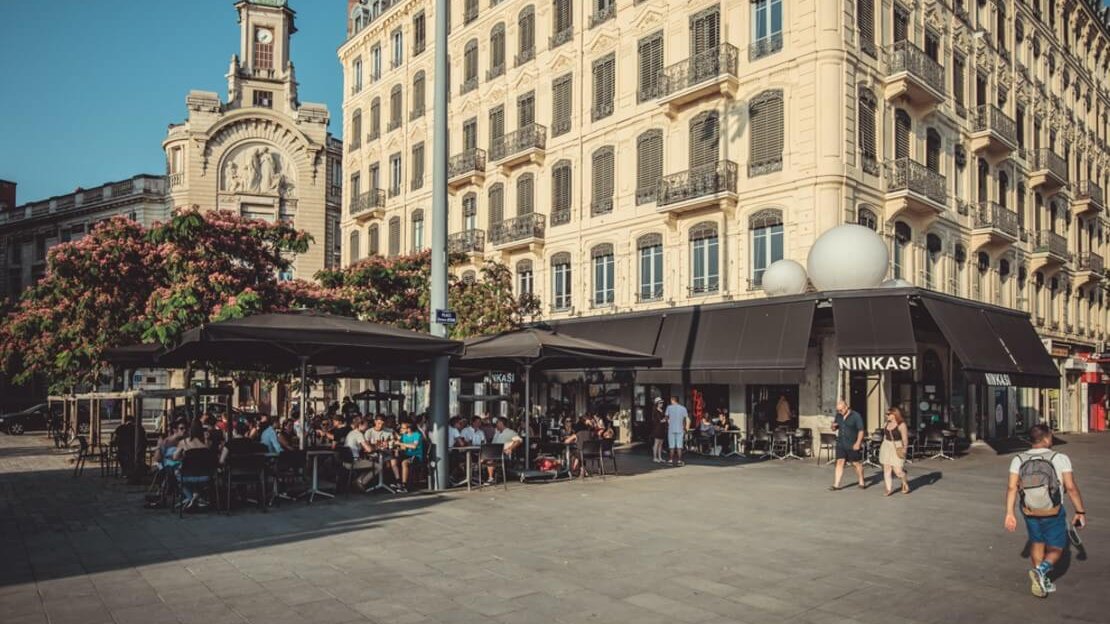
1040, 476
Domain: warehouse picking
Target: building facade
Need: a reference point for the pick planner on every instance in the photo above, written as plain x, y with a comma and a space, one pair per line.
261, 152
971, 134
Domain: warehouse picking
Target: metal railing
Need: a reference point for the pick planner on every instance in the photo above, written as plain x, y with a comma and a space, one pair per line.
705, 286
601, 16
905, 174
468, 85
123, 188
1089, 190
416, 113
1090, 261
601, 110
722, 60
393, 125
907, 57
991, 118
335, 192
992, 215
468, 161
601, 206
1052, 243
649, 293
764, 47
532, 136
1044, 159
560, 216
524, 56
706, 180
467, 241
495, 71
561, 37
531, 225
374, 198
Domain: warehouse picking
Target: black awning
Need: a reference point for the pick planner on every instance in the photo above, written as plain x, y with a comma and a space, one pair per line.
765, 337
638, 333
1029, 353
873, 325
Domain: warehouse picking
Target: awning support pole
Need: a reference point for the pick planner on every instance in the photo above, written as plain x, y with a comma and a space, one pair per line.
304, 400
527, 416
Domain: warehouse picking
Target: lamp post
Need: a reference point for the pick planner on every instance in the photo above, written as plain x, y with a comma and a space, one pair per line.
440, 379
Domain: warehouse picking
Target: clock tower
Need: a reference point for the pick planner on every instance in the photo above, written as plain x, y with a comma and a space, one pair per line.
262, 74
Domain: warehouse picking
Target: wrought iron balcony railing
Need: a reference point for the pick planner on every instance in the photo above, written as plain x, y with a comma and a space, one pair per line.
764, 47
495, 71
468, 161
601, 206
560, 216
649, 292
531, 225
561, 37
722, 60
601, 16
992, 215
1044, 159
1091, 261
1090, 190
905, 174
374, 198
468, 85
1052, 243
467, 241
991, 118
706, 180
907, 57
532, 136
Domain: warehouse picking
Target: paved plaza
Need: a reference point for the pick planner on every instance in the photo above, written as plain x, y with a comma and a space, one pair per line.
716, 541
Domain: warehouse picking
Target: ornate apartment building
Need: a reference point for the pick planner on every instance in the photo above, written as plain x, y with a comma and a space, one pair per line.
972, 134
261, 152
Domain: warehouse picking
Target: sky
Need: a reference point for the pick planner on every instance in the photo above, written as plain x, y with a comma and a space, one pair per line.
87, 88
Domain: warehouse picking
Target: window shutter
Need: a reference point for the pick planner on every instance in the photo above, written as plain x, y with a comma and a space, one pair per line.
901, 134
561, 181
418, 166
496, 204
561, 106
958, 79
524, 199
526, 109
704, 139
932, 151
470, 134
562, 15
418, 94
651, 66
375, 118
526, 38
353, 243
603, 174
865, 23
604, 86
867, 107
649, 165
471, 60
374, 250
496, 125
766, 123
394, 236
901, 24
395, 106
705, 31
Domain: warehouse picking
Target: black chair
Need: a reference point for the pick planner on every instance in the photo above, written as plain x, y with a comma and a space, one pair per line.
590, 451
84, 452
933, 442
780, 444
246, 470
871, 446
109, 457
828, 447
607, 453
200, 463
346, 459
289, 470
761, 441
493, 454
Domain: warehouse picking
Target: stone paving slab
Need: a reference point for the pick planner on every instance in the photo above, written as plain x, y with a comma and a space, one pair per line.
716, 541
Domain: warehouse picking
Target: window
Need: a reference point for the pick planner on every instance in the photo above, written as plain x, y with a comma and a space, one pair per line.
705, 37
561, 105
374, 249
767, 242
526, 35
356, 186
649, 165
604, 86
603, 275
394, 236
496, 204
470, 11
865, 24
395, 107
375, 63
375, 119
651, 267
470, 211
398, 41
560, 281
704, 259
395, 175
901, 134
932, 260
603, 171
1003, 189
496, 127
868, 104
901, 242
418, 166
524, 280
418, 96
526, 109
524, 194
356, 75
356, 130
765, 118
705, 139
932, 150
866, 217
263, 52
417, 231
901, 24
766, 28
561, 178
562, 23
932, 44
177, 163
264, 99
470, 134
650, 50
375, 178
470, 66
958, 63
419, 36
353, 247
496, 52
959, 257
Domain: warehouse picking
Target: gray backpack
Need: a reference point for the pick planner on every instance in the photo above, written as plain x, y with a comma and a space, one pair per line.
1040, 485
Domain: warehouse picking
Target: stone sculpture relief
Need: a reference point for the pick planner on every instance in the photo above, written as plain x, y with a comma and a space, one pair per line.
259, 170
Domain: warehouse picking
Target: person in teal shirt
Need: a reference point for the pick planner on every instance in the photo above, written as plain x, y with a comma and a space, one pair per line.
412, 447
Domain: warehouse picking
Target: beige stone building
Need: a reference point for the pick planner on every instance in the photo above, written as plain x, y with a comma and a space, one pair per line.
626, 156
261, 152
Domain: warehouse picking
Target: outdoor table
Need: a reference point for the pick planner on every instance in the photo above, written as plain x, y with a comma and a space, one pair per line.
795, 439
314, 490
468, 450
383, 455
737, 437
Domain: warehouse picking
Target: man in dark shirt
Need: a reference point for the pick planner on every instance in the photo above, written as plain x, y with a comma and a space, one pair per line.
848, 425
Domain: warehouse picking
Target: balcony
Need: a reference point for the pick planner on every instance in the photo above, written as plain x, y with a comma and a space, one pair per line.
600, 16
524, 56
520, 232
1049, 171
707, 74
416, 113
495, 71
912, 187
368, 205
1088, 198
335, 193
708, 186
764, 47
176, 179
993, 225
520, 147
993, 132
1050, 251
468, 167
561, 37
470, 242
468, 85
913, 77
1090, 268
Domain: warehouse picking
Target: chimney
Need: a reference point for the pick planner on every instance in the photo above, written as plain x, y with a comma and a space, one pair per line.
7, 195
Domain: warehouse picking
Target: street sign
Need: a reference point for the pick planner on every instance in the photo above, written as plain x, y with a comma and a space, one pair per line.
446, 317
506, 378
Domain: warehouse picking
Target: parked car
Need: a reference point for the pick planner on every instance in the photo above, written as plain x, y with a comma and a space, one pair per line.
33, 418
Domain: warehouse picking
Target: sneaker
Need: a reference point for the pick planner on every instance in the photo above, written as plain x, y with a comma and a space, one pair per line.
1049, 586
1037, 580
192, 501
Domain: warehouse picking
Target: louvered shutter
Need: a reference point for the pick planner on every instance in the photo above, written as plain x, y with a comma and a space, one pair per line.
562, 16
496, 125
394, 236
560, 193
704, 139
958, 79
865, 22
766, 132
932, 151
374, 250
471, 60
651, 66
418, 93
867, 105
527, 34
524, 199
604, 86
901, 134
603, 174
395, 106
375, 118
497, 47
470, 134
705, 31
418, 166
649, 164
561, 109
496, 205
526, 110
901, 24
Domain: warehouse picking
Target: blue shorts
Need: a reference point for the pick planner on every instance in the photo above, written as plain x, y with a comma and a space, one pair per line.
1052, 531
676, 440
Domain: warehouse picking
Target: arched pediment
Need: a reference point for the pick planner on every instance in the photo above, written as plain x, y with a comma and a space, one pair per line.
251, 126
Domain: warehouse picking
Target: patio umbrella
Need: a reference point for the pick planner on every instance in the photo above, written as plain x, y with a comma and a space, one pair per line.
291, 340
144, 355
534, 348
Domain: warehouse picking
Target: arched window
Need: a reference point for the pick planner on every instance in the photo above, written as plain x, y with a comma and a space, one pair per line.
562, 25
932, 150
704, 259
394, 236
470, 66
602, 257
705, 139
395, 107
902, 128
867, 107
650, 247
496, 204
496, 51
766, 233
561, 192
649, 165
984, 175
932, 260
353, 249
959, 261
375, 119
356, 129
470, 211
766, 128
1003, 189
418, 95
526, 35
524, 278
374, 249
902, 235
524, 194
560, 281
866, 217
603, 171
418, 230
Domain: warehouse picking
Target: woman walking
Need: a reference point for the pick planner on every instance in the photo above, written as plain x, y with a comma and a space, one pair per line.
892, 453
658, 431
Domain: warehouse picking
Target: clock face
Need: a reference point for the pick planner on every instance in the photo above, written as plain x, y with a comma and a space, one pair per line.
264, 35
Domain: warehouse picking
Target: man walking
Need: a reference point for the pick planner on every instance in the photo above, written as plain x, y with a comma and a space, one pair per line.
1040, 476
678, 421
848, 425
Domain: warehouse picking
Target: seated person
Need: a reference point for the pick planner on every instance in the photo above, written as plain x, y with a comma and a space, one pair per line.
239, 442
361, 452
269, 436
723, 422
167, 446
382, 439
473, 433
287, 436
605, 429
455, 437
195, 440
707, 433
507, 437
130, 458
412, 449
575, 441
337, 434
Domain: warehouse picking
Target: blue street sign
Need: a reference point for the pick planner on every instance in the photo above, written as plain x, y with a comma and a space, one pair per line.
446, 317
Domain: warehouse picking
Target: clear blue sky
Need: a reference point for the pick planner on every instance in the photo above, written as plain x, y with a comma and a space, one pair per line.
87, 87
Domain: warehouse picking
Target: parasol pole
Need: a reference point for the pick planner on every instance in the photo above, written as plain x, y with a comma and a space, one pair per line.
527, 416
304, 400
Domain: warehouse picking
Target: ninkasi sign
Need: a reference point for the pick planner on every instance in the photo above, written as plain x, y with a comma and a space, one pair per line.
878, 362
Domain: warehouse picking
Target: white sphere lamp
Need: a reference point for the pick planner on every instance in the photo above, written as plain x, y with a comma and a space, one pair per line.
896, 283
848, 257
784, 277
